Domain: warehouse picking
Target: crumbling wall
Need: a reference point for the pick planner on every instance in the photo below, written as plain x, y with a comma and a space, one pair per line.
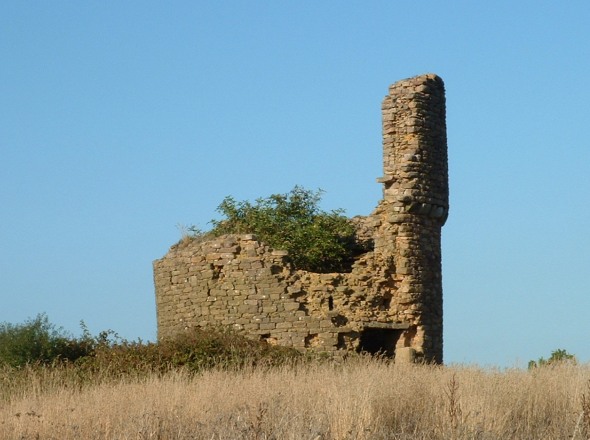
236, 281
391, 300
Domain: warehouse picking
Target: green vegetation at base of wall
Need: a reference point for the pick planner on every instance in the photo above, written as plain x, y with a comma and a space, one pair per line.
38, 342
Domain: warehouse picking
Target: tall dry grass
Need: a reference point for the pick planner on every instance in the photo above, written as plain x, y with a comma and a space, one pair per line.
360, 399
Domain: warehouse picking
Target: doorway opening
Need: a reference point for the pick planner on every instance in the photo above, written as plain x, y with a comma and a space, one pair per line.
379, 341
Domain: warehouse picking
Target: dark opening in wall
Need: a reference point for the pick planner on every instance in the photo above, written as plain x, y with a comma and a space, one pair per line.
379, 341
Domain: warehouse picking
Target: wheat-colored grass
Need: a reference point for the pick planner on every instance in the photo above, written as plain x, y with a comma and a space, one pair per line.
360, 399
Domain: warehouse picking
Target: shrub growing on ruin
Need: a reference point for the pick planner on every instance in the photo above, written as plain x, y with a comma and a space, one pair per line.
317, 240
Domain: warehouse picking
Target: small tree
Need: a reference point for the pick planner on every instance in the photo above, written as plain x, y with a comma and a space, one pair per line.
317, 241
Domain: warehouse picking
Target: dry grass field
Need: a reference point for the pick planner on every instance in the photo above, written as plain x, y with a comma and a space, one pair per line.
360, 399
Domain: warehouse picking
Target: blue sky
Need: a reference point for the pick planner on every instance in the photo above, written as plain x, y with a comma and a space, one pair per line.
121, 120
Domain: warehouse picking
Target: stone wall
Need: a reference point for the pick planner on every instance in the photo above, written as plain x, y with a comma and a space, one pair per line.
391, 300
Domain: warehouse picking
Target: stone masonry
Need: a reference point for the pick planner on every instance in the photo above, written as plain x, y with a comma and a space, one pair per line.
391, 300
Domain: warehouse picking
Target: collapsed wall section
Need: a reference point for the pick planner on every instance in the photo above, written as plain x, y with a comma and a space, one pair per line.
238, 282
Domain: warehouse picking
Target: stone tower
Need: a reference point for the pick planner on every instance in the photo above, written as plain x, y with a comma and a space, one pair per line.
416, 200
389, 302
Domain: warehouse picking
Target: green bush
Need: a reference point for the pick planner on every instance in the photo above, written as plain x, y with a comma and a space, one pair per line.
38, 341
194, 350
317, 241
557, 356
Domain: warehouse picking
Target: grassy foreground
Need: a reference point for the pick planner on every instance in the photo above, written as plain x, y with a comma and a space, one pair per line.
360, 399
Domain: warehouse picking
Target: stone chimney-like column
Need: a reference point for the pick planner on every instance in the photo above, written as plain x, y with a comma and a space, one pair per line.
416, 202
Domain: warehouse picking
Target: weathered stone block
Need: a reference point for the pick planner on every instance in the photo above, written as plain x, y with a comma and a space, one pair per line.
291, 306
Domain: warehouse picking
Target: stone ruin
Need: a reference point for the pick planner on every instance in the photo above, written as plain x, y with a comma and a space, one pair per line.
389, 303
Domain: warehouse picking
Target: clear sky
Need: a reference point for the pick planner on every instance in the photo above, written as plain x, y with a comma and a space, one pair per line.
121, 120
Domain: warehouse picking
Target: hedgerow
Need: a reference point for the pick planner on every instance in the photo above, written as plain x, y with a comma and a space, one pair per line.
39, 341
